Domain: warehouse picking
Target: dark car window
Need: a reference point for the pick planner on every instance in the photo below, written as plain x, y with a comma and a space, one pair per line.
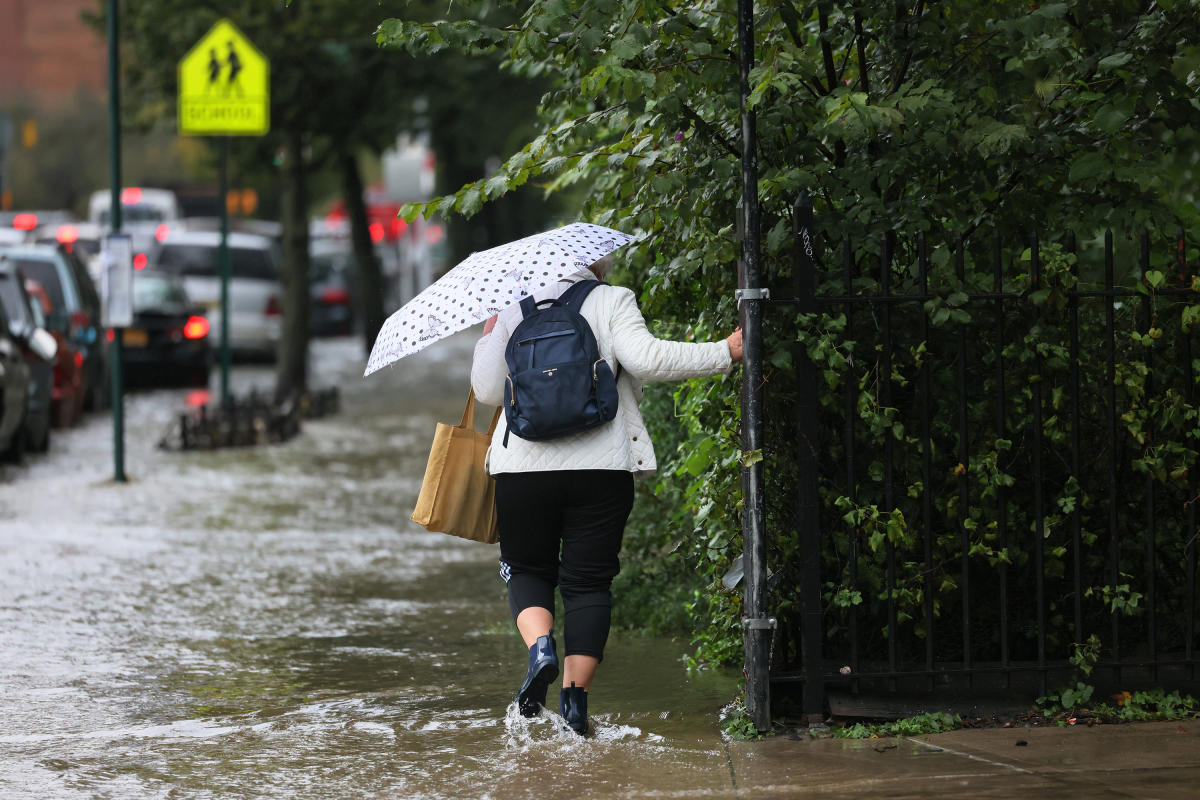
156, 293
89, 247
13, 300
324, 265
45, 273
198, 259
135, 213
83, 280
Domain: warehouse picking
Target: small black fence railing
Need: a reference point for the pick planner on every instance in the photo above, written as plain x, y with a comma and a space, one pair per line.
995, 463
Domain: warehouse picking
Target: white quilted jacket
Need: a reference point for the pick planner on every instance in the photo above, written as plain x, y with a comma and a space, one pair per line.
623, 339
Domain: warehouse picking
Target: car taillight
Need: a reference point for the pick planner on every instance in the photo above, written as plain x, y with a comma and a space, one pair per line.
139, 261
335, 296
25, 222
161, 233
272, 309
78, 360
67, 234
195, 328
110, 335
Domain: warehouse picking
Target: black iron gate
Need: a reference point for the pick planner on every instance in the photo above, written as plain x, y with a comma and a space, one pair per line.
1002, 466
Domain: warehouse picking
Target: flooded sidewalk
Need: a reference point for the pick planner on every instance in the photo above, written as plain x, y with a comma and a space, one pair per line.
268, 623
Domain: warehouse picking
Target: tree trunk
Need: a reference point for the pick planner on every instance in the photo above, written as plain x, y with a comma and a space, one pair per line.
368, 274
291, 371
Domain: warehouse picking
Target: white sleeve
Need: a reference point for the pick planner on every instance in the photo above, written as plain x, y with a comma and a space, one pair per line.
488, 369
650, 359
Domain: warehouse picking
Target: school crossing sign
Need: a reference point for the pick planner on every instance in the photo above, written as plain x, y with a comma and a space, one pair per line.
224, 86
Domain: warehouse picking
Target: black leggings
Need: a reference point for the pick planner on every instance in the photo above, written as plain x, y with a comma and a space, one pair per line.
580, 513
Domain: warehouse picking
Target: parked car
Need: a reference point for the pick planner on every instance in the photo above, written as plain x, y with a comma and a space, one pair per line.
82, 238
169, 337
38, 348
75, 312
27, 221
146, 215
254, 290
14, 392
66, 394
11, 236
331, 300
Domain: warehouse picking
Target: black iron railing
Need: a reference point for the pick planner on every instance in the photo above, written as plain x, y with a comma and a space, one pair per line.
1021, 449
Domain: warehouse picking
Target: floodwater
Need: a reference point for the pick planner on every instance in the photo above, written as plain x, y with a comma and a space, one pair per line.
268, 623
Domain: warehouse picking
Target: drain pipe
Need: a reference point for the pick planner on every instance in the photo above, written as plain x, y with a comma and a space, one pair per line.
756, 626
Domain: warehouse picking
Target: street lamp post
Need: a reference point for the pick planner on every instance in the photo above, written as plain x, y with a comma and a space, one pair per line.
114, 129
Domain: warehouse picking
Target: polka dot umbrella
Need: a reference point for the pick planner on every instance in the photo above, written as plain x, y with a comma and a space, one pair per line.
485, 283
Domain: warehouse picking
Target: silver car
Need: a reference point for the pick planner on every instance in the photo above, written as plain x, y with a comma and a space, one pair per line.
254, 290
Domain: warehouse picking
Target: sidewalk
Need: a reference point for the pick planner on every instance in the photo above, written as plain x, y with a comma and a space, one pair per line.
1146, 760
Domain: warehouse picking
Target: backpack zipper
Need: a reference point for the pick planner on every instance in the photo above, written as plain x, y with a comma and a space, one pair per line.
550, 335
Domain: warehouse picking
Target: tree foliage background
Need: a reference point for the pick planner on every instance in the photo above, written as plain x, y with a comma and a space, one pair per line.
335, 96
902, 118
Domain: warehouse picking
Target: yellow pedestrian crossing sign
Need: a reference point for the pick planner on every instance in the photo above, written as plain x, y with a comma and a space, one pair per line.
224, 86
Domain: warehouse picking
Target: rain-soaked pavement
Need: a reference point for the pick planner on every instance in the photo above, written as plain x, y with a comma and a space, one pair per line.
268, 623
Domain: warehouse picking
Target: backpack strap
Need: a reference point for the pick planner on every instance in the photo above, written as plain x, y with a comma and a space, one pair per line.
573, 299
528, 306
574, 296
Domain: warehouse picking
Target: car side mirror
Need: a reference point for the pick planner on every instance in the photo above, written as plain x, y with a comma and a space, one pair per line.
43, 344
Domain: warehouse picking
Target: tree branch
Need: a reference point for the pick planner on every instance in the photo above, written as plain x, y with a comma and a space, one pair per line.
862, 54
711, 132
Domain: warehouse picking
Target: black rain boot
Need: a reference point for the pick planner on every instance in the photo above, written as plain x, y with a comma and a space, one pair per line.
543, 669
572, 705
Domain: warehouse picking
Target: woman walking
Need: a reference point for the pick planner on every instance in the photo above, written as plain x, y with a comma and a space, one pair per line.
562, 504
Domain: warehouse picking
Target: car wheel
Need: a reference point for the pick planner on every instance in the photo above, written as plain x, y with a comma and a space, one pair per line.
43, 445
198, 377
101, 397
15, 453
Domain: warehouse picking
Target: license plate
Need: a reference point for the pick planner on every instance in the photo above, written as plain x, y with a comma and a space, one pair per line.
134, 337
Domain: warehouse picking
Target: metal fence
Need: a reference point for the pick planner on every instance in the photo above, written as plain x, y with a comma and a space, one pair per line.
1001, 467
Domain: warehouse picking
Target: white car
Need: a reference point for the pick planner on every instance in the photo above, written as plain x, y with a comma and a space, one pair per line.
146, 215
254, 290
82, 238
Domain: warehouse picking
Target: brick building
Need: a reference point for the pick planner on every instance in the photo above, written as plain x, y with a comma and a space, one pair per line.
47, 52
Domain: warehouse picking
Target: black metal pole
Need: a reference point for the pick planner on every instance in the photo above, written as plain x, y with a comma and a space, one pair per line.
756, 625
808, 499
223, 210
114, 146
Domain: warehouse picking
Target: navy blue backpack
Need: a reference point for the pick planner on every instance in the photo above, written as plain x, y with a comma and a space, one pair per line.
557, 382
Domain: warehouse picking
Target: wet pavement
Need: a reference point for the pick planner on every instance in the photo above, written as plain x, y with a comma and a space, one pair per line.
268, 623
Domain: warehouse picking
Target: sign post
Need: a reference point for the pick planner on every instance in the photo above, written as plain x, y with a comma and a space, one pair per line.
224, 90
115, 355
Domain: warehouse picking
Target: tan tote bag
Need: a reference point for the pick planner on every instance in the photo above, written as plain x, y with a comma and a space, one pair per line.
458, 497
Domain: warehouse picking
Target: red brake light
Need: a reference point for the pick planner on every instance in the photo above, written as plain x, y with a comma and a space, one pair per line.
273, 309
434, 233
109, 334
160, 233
67, 234
398, 227
335, 296
25, 222
195, 328
131, 195
139, 261
376, 230
79, 356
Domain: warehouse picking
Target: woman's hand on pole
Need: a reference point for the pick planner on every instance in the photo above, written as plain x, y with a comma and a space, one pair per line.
734, 340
